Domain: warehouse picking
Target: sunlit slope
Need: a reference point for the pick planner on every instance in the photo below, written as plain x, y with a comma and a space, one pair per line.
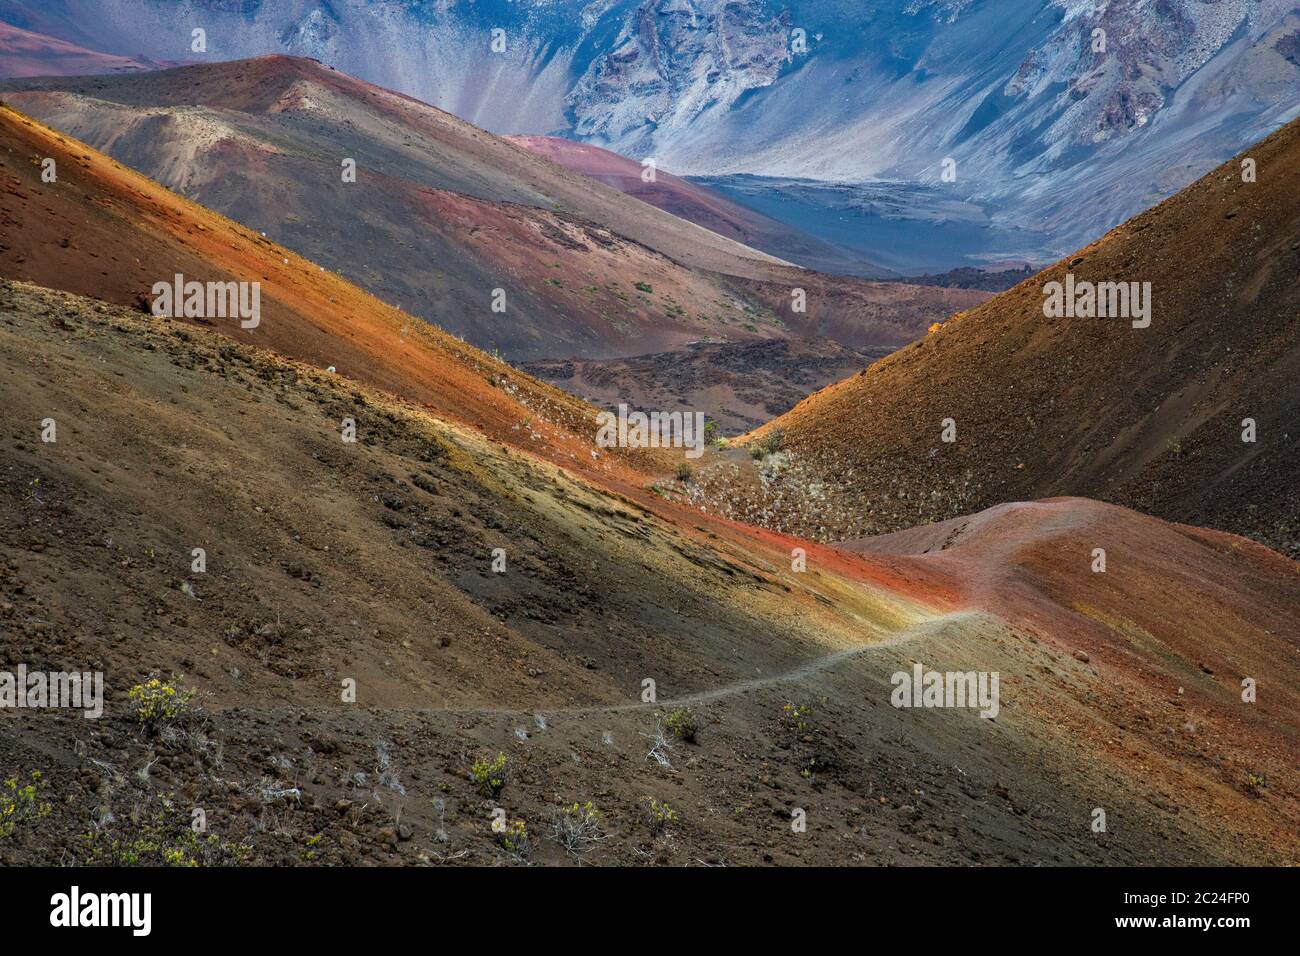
440, 215
373, 561
103, 230
1159, 418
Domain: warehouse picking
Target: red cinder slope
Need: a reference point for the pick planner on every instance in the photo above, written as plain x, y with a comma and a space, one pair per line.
1192, 418
1165, 641
105, 231
608, 581
442, 214
697, 204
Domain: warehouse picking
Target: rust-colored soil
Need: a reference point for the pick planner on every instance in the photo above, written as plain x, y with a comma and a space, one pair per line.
442, 214
371, 561
102, 229
1152, 418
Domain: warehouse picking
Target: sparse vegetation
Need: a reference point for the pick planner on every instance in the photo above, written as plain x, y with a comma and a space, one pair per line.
796, 716
20, 806
162, 844
660, 747
606, 587
643, 286
683, 724
658, 816
769, 444
159, 704
312, 842
491, 775
578, 828
513, 838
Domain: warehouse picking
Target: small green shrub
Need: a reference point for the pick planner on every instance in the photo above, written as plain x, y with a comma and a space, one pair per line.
514, 839
311, 852
658, 816
769, 444
683, 725
796, 716
491, 775
1255, 784
162, 843
684, 471
159, 703
20, 805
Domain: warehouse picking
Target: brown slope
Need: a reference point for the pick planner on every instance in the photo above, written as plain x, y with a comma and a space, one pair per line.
444, 213
106, 230
1148, 417
171, 433
738, 385
172, 437
369, 561
439, 149
700, 205
1034, 564
1154, 648
24, 53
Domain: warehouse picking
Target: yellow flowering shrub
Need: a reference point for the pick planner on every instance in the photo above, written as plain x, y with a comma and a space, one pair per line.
20, 805
157, 702
490, 775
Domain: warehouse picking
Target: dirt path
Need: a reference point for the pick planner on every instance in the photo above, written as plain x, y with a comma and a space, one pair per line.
736, 688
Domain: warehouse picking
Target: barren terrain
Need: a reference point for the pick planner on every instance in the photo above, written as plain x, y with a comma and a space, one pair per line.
1192, 419
372, 561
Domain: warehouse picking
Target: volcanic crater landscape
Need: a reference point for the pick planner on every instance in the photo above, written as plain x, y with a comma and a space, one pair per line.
436, 622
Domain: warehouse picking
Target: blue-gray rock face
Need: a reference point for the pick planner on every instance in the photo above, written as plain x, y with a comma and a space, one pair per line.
1059, 116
